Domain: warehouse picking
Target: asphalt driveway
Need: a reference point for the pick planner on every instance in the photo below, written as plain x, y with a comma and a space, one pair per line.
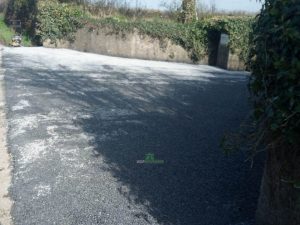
78, 123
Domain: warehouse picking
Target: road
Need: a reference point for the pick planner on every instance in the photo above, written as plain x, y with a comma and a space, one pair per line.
78, 123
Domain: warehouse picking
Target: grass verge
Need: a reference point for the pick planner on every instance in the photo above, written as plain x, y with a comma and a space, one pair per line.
6, 33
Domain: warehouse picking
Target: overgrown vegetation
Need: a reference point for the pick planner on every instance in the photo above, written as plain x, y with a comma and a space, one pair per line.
194, 37
56, 20
60, 21
275, 63
275, 85
23, 10
6, 34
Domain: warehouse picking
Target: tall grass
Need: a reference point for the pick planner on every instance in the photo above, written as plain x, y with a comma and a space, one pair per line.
5, 32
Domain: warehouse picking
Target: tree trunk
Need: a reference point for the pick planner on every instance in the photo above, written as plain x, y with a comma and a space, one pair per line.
188, 11
279, 202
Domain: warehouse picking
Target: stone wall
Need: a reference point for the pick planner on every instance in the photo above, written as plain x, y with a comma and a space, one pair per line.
133, 45
129, 45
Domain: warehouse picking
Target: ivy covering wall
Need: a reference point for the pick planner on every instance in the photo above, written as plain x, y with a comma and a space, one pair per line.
193, 37
275, 63
274, 60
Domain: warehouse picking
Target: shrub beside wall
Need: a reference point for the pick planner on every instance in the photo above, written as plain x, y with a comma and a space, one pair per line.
58, 20
275, 63
275, 84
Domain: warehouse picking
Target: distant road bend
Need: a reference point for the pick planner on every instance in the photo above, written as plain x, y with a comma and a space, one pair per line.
78, 123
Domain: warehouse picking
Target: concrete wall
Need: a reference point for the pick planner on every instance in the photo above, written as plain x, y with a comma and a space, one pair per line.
130, 45
234, 63
133, 45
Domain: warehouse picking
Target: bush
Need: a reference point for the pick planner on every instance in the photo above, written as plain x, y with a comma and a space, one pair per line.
275, 85
275, 63
58, 21
24, 10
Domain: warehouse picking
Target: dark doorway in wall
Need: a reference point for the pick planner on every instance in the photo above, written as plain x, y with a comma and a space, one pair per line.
214, 37
223, 51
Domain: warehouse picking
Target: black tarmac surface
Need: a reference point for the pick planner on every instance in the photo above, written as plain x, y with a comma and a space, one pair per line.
78, 124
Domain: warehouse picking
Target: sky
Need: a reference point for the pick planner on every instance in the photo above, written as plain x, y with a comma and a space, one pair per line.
229, 5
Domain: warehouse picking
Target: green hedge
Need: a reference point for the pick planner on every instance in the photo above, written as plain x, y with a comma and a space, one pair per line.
45, 19
275, 63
